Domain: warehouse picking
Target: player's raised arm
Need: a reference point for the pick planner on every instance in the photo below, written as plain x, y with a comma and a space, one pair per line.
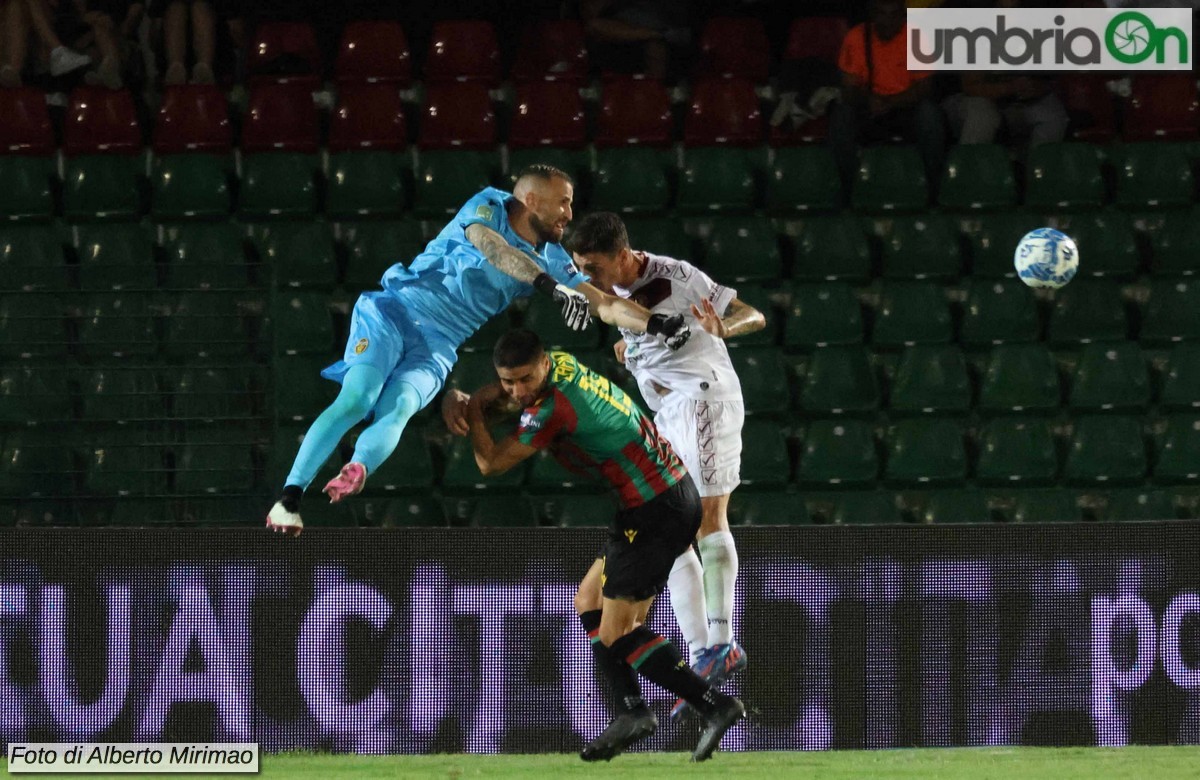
491, 456
624, 313
740, 318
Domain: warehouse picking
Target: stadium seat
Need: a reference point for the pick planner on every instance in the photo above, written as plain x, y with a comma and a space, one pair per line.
547, 113
462, 472
922, 247
1110, 376
457, 116
660, 236
1178, 456
125, 464
374, 247
1106, 449
630, 181
1181, 379
1106, 239
281, 451
1172, 313
412, 511
715, 179
860, 507
214, 460
28, 193
821, 314
32, 258
1019, 378
1016, 450
572, 510
931, 379
1088, 310
115, 393
463, 51
1162, 107
763, 377
503, 512
998, 311
206, 324
115, 257
925, 452
978, 177
803, 178
574, 162
285, 53
544, 317
816, 36
1153, 175
766, 463
832, 248
368, 116
733, 46
278, 184
36, 395
190, 186
446, 179
768, 507
101, 121
373, 51
1090, 106
1064, 176
472, 371
301, 323
742, 249
297, 254
838, 453
32, 467
723, 111
107, 186
1175, 244
991, 239
32, 326
1044, 505
839, 380
300, 392
633, 111
367, 184
280, 118
192, 118
210, 392
954, 506
26, 129
911, 313
889, 179
204, 255
551, 49
408, 470
1131, 504
117, 324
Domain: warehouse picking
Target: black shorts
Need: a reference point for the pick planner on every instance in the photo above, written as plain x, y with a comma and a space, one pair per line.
644, 542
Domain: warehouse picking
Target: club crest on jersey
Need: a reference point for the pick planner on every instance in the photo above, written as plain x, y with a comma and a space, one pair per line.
630, 533
483, 212
361, 346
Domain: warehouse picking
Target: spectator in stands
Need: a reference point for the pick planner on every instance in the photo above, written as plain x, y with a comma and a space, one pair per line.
113, 25
880, 96
641, 33
176, 17
21, 17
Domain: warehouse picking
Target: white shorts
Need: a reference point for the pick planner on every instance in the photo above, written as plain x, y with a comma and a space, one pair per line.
707, 435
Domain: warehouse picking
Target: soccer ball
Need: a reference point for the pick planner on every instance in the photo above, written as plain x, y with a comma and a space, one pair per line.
1046, 258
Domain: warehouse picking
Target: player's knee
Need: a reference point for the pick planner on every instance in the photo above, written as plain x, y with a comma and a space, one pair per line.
354, 403
586, 600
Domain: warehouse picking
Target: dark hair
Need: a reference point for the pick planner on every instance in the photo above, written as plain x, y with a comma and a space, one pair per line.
545, 173
600, 231
518, 347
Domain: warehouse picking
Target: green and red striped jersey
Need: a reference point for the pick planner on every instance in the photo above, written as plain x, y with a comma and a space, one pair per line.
593, 428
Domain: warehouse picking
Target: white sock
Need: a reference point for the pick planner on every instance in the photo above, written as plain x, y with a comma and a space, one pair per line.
720, 570
686, 584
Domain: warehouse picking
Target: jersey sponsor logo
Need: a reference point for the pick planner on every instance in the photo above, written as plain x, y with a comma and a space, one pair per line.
530, 422
630, 533
483, 212
361, 346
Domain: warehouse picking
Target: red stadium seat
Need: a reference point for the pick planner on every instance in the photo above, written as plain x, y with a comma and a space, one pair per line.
284, 52
552, 49
374, 51
633, 110
548, 113
192, 118
463, 51
1162, 106
734, 46
458, 116
723, 111
1090, 105
812, 131
816, 36
368, 116
280, 117
101, 120
26, 127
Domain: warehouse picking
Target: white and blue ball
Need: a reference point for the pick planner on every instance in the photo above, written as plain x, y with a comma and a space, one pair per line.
1046, 258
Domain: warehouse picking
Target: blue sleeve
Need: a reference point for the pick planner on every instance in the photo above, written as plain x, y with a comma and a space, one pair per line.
560, 265
486, 208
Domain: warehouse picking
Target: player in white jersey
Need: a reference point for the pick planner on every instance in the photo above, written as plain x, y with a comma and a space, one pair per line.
697, 400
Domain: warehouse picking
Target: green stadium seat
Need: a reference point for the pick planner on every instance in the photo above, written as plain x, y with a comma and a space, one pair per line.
1106, 242
992, 239
911, 313
822, 314
742, 249
32, 258
205, 255
115, 257
660, 236
862, 507
925, 452
504, 512
462, 472
299, 254
1016, 450
1044, 505
240, 511
126, 464
1178, 456
1064, 176
114, 393
278, 184
32, 466
1140, 504
212, 392
472, 371
374, 247
839, 453
282, 452
1106, 449
1181, 380
978, 177
920, 247
573, 510
832, 248
117, 324
1173, 312
367, 183
803, 178
1088, 310
445, 180
206, 324
1110, 376
408, 470
300, 392
931, 379
1152, 175
415, 511
964, 505
764, 379
301, 324
32, 326
765, 461
769, 507
839, 380
630, 180
762, 298
544, 317
889, 179
190, 186
1020, 378
215, 461
34, 394
27, 192
716, 179
998, 311
102, 187
1177, 244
